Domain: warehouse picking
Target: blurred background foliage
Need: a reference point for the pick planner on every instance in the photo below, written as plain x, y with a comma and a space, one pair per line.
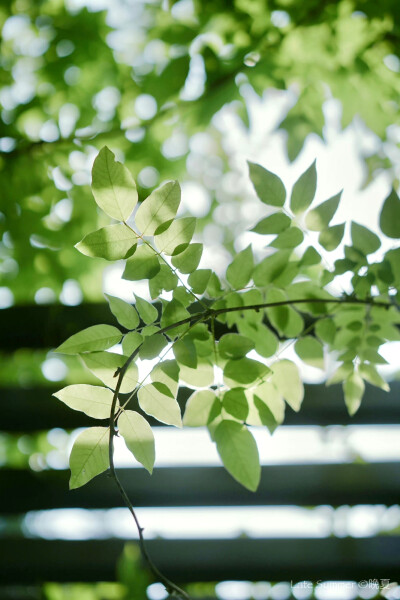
153, 80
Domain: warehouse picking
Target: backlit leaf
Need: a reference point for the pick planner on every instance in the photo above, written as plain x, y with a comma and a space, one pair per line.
310, 350
238, 451
159, 208
275, 223
285, 377
233, 345
269, 188
113, 186
319, 218
200, 377
152, 346
147, 312
177, 237
188, 260
363, 239
235, 403
138, 437
290, 238
199, 408
389, 220
131, 341
144, 264
92, 400
331, 238
241, 268
271, 267
89, 456
155, 400
104, 366
353, 389
244, 370
199, 279
304, 190
185, 352
96, 337
125, 313
114, 242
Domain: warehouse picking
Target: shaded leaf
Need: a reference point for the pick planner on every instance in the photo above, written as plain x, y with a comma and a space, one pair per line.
147, 312
290, 238
199, 279
96, 337
241, 268
331, 238
188, 260
152, 346
125, 313
310, 350
159, 208
319, 218
233, 345
363, 239
185, 352
271, 267
389, 220
144, 264
244, 370
235, 403
177, 237
275, 223
138, 437
113, 186
269, 188
89, 456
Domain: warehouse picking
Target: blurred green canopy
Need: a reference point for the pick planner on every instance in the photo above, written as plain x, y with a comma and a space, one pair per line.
151, 80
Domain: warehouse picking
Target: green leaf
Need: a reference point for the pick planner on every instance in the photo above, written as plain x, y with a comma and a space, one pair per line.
152, 346
138, 437
286, 379
147, 312
331, 238
177, 237
353, 389
154, 401
164, 280
113, 186
159, 208
125, 313
96, 337
269, 188
104, 366
185, 352
284, 318
114, 242
271, 267
370, 374
188, 260
241, 268
173, 313
266, 342
144, 264
238, 451
304, 190
319, 218
363, 239
325, 329
199, 279
92, 400
310, 350
214, 288
199, 408
275, 223
310, 257
131, 341
233, 345
235, 403
89, 456
290, 238
389, 220
167, 372
268, 394
244, 370
200, 377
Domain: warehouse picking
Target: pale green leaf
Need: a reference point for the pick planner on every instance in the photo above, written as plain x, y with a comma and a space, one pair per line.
125, 313
96, 337
131, 342
284, 318
370, 374
319, 218
304, 190
144, 264
200, 377
92, 400
310, 257
331, 238
167, 372
185, 352
268, 394
188, 260
199, 408
233, 345
363, 239
325, 329
113, 186
353, 389
177, 237
164, 280
389, 220
271, 267
159, 208
154, 400
275, 223
235, 403
290, 238
147, 312
266, 342
138, 437
89, 456
199, 279
269, 188
104, 365
238, 451
152, 346
114, 242
285, 377
310, 350
241, 268
244, 371
173, 313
